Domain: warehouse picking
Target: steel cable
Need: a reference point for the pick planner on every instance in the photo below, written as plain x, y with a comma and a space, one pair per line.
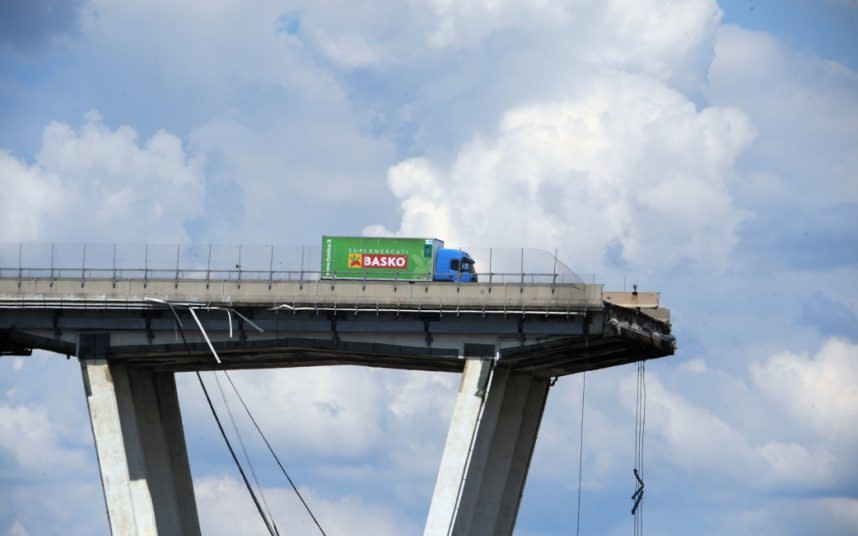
274, 454
181, 332
640, 428
246, 456
272, 530
581, 450
235, 458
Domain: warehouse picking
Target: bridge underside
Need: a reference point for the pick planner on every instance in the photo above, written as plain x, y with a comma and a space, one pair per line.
538, 346
557, 358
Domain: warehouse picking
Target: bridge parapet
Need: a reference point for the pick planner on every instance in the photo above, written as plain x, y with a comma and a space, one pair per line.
242, 263
540, 297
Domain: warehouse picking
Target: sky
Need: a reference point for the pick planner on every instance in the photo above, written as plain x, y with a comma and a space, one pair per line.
706, 150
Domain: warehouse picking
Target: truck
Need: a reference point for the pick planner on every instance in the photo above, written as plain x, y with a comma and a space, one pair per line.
394, 258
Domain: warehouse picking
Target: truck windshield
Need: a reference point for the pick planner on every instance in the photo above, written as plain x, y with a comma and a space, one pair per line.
468, 265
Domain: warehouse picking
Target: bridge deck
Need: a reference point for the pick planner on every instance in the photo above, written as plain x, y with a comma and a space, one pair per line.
541, 329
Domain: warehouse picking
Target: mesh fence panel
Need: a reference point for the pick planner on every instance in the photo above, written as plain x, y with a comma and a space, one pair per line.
240, 262
35, 256
521, 265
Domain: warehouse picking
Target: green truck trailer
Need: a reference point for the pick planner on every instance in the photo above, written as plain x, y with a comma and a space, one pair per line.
389, 258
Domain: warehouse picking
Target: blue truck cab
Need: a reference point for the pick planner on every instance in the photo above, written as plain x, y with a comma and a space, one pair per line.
454, 265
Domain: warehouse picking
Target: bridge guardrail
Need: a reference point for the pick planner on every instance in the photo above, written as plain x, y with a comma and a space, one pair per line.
159, 262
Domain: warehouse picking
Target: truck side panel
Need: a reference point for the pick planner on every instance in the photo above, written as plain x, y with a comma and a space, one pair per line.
351, 257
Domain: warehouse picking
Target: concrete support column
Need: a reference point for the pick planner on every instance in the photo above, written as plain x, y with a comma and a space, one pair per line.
460, 435
487, 455
136, 424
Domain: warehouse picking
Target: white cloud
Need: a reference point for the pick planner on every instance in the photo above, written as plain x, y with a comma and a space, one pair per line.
284, 173
834, 516
35, 440
320, 409
29, 195
194, 45
696, 365
102, 184
694, 436
661, 38
274, 165
805, 444
281, 140
626, 161
56, 506
226, 508
344, 411
17, 529
806, 109
654, 36
48, 462
819, 392
458, 23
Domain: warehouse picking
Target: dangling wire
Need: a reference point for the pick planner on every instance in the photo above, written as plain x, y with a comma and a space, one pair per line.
274, 454
640, 429
235, 458
581, 449
244, 451
271, 526
271, 529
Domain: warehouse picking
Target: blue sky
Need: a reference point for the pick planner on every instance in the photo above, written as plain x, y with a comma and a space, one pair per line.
705, 150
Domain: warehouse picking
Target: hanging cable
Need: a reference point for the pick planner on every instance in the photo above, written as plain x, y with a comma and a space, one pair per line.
181, 332
274, 454
246, 456
581, 449
640, 429
272, 527
235, 458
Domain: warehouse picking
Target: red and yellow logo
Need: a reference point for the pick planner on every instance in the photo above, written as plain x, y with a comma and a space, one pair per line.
389, 262
383, 261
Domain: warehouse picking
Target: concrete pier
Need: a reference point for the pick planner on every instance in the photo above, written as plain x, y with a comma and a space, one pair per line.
140, 443
460, 436
488, 451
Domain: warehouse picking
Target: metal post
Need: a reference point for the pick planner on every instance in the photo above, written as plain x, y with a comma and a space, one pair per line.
239, 266
178, 256
554, 272
301, 271
52, 264
491, 251
114, 265
83, 267
20, 268
209, 267
146, 266
271, 268
521, 289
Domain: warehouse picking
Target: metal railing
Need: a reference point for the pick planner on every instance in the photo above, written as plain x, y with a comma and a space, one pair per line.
274, 264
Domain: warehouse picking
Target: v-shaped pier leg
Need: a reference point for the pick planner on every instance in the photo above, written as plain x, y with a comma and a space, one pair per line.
137, 428
488, 451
